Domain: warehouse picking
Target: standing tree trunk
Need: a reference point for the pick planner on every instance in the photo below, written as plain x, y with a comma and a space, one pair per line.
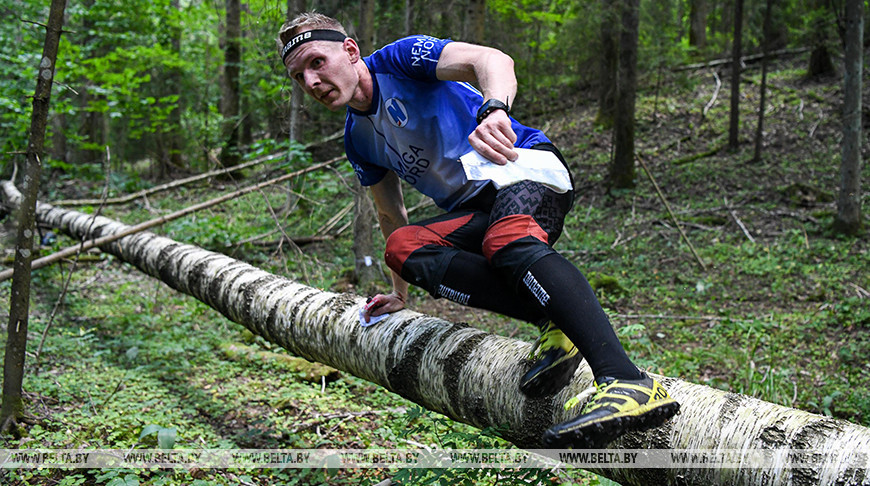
169, 141
820, 64
92, 122
473, 376
848, 218
765, 48
607, 64
622, 167
295, 7
734, 119
367, 272
366, 34
697, 23
475, 22
410, 11
230, 91
19, 306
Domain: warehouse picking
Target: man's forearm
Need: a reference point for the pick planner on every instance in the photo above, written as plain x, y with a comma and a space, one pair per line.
390, 223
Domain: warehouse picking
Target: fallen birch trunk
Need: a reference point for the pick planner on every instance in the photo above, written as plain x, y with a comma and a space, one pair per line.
472, 376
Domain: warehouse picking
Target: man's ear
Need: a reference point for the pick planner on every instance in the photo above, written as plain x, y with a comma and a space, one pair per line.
352, 48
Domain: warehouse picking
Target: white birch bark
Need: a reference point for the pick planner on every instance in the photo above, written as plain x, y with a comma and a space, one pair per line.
473, 376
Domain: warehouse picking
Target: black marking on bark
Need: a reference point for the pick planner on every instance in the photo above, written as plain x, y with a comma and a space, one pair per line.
808, 438
249, 290
166, 265
390, 362
199, 282
404, 375
537, 417
773, 436
185, 258
453, 365
728, 409
287, 338
259, 326
215, 288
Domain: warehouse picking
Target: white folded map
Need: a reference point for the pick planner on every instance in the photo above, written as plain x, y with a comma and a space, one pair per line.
532, 165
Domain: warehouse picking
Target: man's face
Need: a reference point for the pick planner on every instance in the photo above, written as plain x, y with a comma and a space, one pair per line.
325, 71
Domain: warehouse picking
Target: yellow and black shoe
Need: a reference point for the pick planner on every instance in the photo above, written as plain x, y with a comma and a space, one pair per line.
617, 407
556, 359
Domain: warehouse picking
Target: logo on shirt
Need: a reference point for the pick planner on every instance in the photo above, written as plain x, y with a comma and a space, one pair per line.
396, 112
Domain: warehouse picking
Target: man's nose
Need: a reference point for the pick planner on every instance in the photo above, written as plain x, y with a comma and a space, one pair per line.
311, 79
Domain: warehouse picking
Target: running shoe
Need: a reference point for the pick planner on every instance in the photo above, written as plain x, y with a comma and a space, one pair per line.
556, 358
617, 407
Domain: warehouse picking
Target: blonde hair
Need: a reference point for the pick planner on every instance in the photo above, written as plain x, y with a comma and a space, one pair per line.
303, 22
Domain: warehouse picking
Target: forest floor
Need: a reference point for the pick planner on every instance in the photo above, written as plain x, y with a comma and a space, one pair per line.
780, 310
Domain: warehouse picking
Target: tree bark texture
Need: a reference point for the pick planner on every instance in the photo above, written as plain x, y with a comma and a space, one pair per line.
734, 119
410, 12
366, 31
765, 47
698, 23
365, 268
848, 218
622, 173
467, 374
607, 64
475, 22
19, 305
295, 7
367, 272
230, 89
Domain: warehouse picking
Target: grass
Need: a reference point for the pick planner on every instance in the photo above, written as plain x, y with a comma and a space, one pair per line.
783, 317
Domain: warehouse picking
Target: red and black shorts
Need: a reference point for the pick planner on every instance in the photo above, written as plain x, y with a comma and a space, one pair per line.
512, 227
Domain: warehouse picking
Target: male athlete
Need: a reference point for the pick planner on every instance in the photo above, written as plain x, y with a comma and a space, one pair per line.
411, 114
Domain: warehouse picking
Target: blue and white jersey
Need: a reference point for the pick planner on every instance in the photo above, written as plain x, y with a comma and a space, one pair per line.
418, 126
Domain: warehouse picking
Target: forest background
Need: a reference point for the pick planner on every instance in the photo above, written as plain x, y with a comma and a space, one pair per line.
149, 91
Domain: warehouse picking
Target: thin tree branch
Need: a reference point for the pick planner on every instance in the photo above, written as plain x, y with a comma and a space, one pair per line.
47, 260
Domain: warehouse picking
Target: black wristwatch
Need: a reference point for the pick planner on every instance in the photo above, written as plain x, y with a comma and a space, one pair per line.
490, 106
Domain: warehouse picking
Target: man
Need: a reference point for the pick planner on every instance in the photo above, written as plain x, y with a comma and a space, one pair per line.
411, 114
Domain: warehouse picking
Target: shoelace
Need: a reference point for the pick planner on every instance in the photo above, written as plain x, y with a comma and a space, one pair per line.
581, 397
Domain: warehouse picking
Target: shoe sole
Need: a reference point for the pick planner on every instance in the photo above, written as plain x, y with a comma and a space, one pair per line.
596, 435
551, 380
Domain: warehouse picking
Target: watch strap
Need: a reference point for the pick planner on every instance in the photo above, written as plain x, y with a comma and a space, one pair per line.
490, 106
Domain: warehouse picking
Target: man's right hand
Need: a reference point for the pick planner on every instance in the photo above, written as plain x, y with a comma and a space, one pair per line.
383, 304
494, 138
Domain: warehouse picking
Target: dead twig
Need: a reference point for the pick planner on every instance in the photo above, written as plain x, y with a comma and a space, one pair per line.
668, 207
738, 221
321, 418
715, 94
334, 220
672, 317
862, 293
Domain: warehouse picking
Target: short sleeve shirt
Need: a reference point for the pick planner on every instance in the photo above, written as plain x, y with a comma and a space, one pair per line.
418, 125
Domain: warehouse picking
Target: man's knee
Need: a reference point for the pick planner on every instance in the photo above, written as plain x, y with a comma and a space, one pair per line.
512, 229
400, 244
